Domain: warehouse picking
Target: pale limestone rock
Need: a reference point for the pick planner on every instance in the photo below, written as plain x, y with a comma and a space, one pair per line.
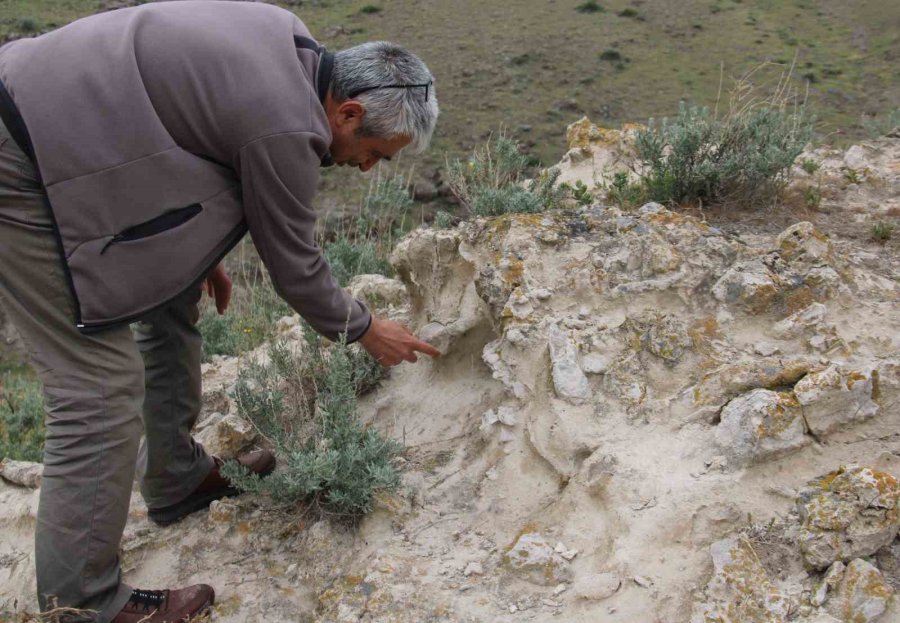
862, 596
533, 557
740, 590
597, 586
378, 291
518, 305
473, 568
759, 425
848, 513
660, 334
569, 381
22, 473
436, 334
888, 375
222, 512
835, 397
797, 323
626, 379
225, 435
596, 473
802, 241
595, 363
497, 423
855, 158
286, 323
733, 379
749, 284
828, 584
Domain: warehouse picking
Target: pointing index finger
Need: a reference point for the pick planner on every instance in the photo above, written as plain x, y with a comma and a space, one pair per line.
425, 347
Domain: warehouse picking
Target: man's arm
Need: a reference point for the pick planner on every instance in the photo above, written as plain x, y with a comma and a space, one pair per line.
279, 174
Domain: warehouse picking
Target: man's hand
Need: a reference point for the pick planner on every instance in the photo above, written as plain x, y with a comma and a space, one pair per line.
218, 285
390, 343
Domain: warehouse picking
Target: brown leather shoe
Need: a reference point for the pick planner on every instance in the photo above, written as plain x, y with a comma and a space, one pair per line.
214, 487
178, 606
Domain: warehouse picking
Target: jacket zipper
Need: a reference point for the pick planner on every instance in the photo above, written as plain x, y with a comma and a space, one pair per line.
233, 238
162, 223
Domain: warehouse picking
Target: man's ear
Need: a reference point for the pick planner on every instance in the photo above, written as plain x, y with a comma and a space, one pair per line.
351, 113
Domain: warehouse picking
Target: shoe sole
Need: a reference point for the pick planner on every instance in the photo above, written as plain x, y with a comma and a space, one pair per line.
172, 514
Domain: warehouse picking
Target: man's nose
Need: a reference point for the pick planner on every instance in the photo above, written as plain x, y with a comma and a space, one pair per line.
368, 164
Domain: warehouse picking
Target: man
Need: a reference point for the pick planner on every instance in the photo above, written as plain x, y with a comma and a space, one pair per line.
137, 147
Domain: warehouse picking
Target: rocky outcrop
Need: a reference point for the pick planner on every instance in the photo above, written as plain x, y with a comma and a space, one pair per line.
622, 394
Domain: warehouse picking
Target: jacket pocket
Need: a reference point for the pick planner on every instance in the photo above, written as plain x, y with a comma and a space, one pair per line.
163, 222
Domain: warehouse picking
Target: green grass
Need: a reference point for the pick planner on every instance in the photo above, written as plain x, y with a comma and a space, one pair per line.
249, 321
590, 7
881, 231
21, 415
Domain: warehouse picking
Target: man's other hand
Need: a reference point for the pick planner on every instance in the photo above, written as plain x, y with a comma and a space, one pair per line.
218, 286
390, 343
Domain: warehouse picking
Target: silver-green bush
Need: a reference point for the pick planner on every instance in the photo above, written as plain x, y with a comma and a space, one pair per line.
306, 407
743, 158
490, 183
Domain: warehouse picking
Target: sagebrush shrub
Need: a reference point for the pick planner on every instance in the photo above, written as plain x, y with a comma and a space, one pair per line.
306, 407
348, 258
490, 183
744, 157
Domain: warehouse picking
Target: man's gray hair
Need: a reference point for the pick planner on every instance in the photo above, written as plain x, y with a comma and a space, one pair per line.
389, 112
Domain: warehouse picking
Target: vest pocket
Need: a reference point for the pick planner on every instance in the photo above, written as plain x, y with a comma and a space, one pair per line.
163, 222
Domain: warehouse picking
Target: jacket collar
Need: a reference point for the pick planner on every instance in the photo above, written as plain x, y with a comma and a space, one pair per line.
323, 82
323, 75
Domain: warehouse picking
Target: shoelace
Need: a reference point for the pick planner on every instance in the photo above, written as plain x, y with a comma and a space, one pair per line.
147, 599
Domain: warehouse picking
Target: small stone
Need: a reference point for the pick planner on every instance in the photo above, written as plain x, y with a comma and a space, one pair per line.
835, 397
535, 560
597, 586
378, 291
863, 594
23, 473
765, 349
651, 208
222, 511
794, 325
568, 379
559, 590
226, 435
643, 582
513, 608
761, 424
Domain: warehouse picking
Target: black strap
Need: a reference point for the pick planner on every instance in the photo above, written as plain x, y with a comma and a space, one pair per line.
14, 123
326, 63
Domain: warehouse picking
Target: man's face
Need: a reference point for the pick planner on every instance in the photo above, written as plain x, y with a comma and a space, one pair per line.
348, 146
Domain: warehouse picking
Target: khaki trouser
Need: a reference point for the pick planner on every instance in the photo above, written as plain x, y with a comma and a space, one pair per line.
96, 387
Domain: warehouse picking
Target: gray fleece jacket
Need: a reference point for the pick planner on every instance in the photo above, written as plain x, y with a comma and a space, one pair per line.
163, 133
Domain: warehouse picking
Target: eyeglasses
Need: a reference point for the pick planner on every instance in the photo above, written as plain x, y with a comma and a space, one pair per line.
425, 86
